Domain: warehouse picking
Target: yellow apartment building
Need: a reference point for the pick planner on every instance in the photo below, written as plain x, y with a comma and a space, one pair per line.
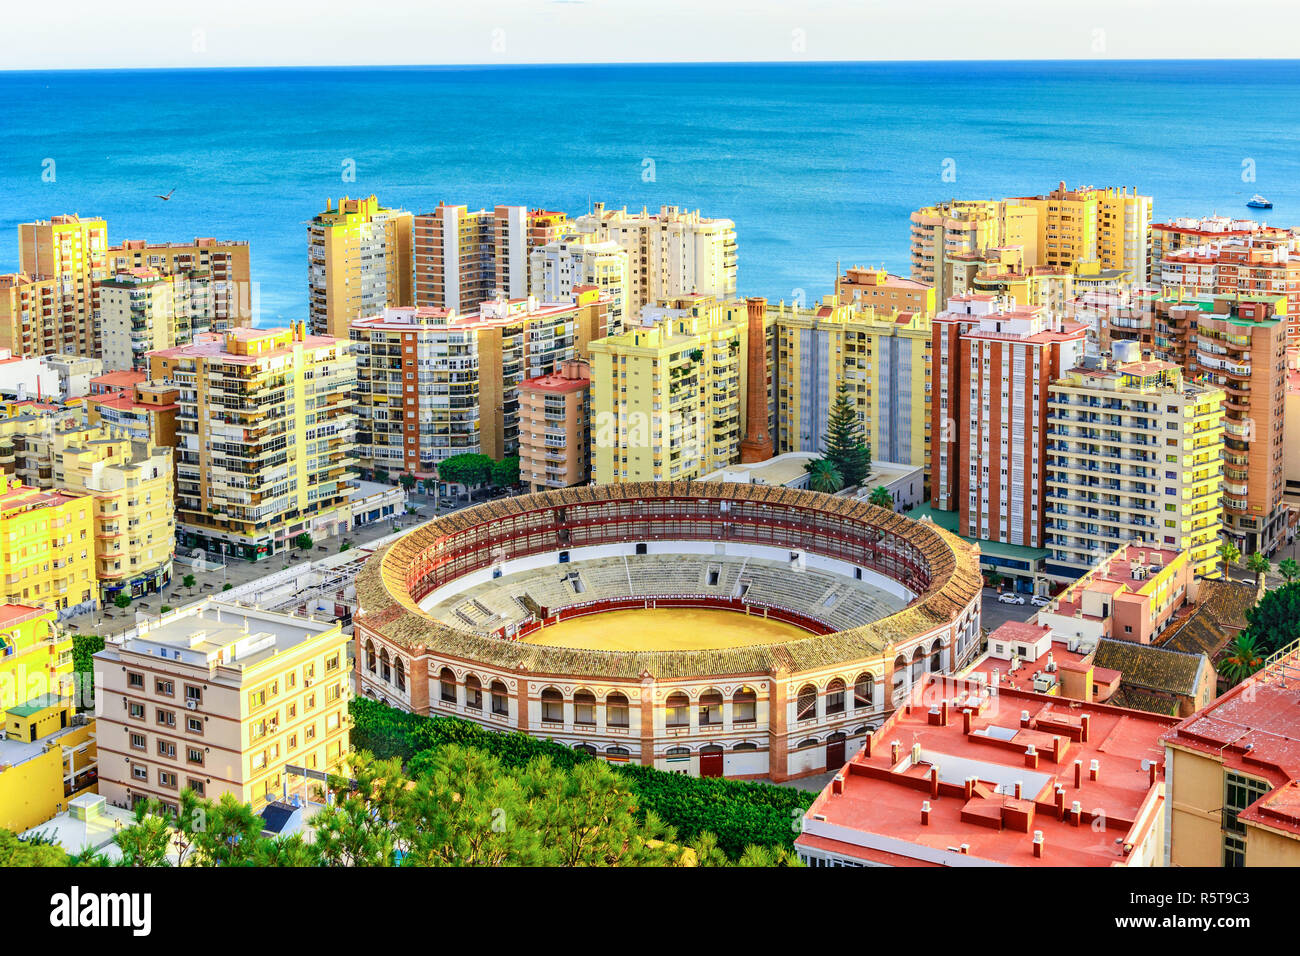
73, 252
134, 510
359, 262
264, 438
27, 305
47, 547
220, 698
668, 395
144, 410
47, 756
1134, 455
224, 262
1234, 795
884, 357
1111, 226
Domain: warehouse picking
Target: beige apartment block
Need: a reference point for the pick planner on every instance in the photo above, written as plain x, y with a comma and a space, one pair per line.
220, 698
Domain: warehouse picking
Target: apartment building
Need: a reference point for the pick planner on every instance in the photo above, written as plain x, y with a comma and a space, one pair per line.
432, 383
1110, 226
881, 354
671, 253
220, 699
131, 487
264, 438
1233, 779
359, 262
885, 292
49, 305
224, 263
1134, 456
669, 395
1257, 265
557, 267
143, 310
554, 428
993, 365
144, 411
47, 547
1132, 594
464, 258
1240, 346
1189, 232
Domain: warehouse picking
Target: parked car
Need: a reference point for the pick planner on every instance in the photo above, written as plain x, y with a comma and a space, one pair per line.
1039, 601
1011, 599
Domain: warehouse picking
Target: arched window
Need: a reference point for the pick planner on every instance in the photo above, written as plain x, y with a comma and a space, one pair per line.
585, 748
918, 664
473, 693
807, 704
677, 710
584, 708
900, 671
711, 749
711, 709
370, 656
552, 706
835, 697
810, 742
617, 753
936, 658
500, 701
616, 710
447, 685
677, 752
400, 668
864, 692
385, 671
744, 705
745, 745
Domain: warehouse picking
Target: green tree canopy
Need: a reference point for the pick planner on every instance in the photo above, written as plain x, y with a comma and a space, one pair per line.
1241, 658
1229, 555
824, 476
1289, 568
1274, 622
505, 473
471, 470
881, 498
16, 852
843, 440
303, 541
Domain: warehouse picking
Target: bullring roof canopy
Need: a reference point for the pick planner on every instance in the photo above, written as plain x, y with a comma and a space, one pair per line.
935, 564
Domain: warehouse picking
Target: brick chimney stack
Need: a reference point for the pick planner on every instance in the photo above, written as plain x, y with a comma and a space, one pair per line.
757, 444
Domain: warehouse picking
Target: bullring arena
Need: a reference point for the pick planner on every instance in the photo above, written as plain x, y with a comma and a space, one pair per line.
706, 628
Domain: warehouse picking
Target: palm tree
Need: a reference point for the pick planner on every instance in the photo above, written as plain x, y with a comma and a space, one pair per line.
881, 498
1241, 658
825, 477
1229, 555
1289, 568
1260, 565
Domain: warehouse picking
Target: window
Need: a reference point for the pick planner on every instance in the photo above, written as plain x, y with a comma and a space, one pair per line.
744, 705
139, 772
806, 708
473, 693
195, 785
616, 710
447, 686
194, 725
256, 699
292, 743
259, 761
677, 710
711, 709
167, 749
194, 693
552, 706
400, 670
167, 779
864, 692
136, 711
194, 755
137, 741
500, 703
584, 708
165, 687
167, 718
370, 656
310, 732
835, 697
135, 681
1239, 792
332, 663
331, 723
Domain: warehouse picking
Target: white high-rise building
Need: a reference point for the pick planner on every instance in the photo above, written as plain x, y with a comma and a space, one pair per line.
555, 268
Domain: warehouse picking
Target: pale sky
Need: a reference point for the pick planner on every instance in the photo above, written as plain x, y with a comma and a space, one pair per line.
79, 34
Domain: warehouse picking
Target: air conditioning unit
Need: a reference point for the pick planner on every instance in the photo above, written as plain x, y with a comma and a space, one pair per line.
191, 705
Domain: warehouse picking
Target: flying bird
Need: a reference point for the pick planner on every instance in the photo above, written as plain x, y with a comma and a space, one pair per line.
168, 197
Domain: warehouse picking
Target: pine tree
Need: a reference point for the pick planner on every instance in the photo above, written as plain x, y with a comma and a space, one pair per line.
843, 440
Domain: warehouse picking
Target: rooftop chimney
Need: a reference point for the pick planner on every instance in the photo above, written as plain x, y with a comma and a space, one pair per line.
925, 813
1094, 770
1038, 844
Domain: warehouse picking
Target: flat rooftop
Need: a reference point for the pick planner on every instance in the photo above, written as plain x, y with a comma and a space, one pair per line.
215, 633
963, 749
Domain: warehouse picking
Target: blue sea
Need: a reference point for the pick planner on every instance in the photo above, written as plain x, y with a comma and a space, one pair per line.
814, 162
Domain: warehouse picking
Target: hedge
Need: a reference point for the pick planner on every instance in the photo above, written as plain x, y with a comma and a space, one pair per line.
738, 813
